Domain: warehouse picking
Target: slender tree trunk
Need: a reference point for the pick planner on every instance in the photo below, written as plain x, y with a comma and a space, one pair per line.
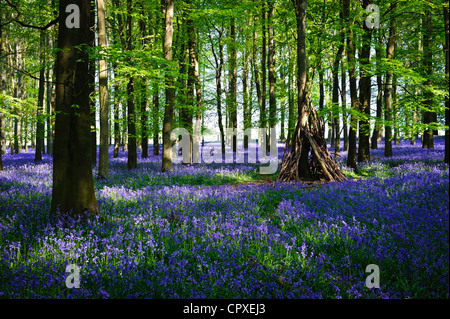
389, 90
376, 136
246, 93
283, 108
263, 114
428, 116
116, 128
219, 67
91, 84
155, 119
344, 104
170, 91
232, 58
40, 103
131, 114
49, 114
271, 67
447, 67
18, 94
198, 96
335, 94
103, 160
395, 110
73, 187
351, 157
258, 87
365, 93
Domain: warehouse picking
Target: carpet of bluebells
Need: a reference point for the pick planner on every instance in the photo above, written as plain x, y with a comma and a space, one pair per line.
214, 231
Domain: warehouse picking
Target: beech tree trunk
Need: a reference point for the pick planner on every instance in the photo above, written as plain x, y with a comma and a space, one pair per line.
376, 136
73, 187
351, 157
271, 67
447, 67
428, 116
364, 93
232, 94
40, 103
388, 90
103, 159
131, 113
170, 91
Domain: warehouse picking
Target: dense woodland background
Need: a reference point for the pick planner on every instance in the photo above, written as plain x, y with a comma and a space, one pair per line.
90, 92
208, 64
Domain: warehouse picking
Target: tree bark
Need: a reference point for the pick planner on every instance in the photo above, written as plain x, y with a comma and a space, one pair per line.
344, 103
103, 160
351, 157
117, 136
18, 94
376, 136
155, 119
131, 113
335, 94
73, 187
91, 84
365, 92
388, 90
40, 103
170, 91
232, 105
447, 67
428, 116
271, 67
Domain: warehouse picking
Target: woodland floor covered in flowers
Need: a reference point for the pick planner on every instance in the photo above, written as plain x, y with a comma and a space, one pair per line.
212, 231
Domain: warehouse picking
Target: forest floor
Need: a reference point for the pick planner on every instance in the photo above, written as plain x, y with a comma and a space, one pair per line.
224, 231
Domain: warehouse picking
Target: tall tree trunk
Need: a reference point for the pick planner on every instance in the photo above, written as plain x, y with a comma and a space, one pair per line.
155, 119
91, 84
388, 91
283, 108
198, 95
144, 81
271, 67
335, 94
365, 92
291, 96
395, 110
131, 114
257, 81
49, 113
447, 67
103, 159
376, 136
428, 116
73, 186
351, 157
246, 93
219, 67
263, 115
170, 91
40, 103
344, 104
302, 102
117, 136
232, 58
18, 94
